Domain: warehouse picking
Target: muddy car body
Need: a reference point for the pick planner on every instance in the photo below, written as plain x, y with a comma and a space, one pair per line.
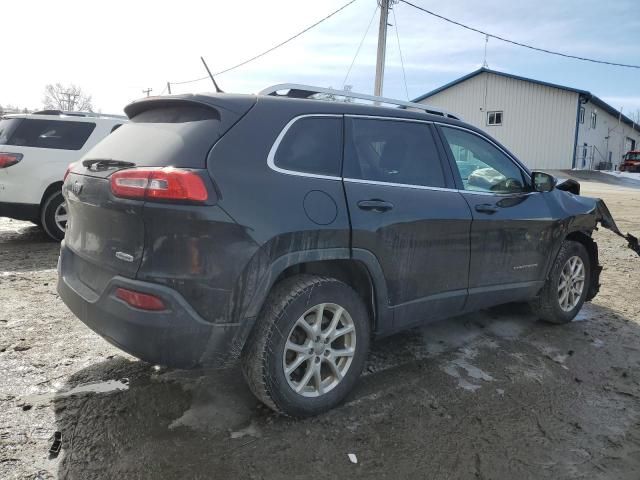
288, 231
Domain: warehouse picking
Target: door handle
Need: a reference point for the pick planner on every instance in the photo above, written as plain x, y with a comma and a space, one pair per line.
486, 208
375, 205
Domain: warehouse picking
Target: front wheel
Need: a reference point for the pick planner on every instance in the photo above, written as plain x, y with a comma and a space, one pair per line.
308, 346
53, 216
567, 286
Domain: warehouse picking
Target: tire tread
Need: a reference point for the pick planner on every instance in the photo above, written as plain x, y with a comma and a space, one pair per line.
254, 357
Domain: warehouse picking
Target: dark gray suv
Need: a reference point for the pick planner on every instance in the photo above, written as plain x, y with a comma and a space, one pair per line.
287, 232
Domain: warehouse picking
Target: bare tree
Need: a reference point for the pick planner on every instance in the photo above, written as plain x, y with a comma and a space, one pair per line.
69, 98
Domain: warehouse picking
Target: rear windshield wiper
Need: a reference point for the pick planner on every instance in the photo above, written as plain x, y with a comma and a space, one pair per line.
105, 164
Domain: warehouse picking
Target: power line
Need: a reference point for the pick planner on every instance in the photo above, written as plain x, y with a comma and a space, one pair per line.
513, 42
404, 74
346, 77
270, 49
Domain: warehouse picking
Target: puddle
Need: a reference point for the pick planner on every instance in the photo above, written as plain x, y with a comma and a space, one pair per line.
93, 387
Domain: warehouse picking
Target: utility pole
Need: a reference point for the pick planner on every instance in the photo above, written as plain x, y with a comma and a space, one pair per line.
70, 103
169, 87
147, 91
382, 46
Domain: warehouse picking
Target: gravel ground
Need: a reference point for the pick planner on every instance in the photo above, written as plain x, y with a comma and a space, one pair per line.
489, 395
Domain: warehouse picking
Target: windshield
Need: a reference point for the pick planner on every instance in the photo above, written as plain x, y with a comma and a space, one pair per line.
633, 156
7, 126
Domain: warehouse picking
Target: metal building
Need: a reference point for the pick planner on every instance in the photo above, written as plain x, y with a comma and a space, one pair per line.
547, 126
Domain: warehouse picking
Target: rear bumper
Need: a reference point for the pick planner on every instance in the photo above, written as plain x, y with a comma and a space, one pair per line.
176, 337
20, 211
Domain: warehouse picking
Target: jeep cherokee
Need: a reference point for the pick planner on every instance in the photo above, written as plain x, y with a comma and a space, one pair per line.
287, 232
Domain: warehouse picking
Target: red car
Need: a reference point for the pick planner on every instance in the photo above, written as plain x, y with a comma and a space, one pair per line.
631, 162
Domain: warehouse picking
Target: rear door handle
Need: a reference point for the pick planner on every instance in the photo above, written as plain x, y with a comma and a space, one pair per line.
486, 208
375, 205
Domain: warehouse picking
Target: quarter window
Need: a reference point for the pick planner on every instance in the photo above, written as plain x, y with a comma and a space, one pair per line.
494, 118
482, 166
392, 152
312, 145
61, 135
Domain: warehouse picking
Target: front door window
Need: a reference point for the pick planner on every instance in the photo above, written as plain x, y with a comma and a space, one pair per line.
482, 166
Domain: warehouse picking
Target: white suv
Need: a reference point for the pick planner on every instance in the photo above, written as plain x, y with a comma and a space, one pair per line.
35, 150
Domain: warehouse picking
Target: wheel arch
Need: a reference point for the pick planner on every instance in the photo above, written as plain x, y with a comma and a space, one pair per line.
52, 188
357, 268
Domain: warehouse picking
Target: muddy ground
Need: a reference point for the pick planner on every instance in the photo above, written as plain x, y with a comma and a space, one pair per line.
493, 395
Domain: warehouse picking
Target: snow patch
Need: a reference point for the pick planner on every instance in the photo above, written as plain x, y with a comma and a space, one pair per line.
92, 387
465, 372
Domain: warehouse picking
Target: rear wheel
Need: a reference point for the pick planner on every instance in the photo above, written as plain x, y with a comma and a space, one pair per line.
53, 216
565, 291
308, 346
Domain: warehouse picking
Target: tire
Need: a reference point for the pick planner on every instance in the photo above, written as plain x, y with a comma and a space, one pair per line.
551, 304
48, 215
293, 301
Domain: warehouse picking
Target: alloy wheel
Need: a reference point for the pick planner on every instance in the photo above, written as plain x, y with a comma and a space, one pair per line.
319, 350
571, 283
60, 216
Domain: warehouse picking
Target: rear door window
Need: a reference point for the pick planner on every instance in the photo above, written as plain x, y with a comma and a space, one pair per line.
56, 134
392, 152
312, 145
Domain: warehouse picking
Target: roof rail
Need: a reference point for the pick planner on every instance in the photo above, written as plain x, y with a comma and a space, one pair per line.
295, 90
76, 114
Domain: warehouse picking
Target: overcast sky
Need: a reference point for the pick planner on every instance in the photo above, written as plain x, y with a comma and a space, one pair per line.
116, 49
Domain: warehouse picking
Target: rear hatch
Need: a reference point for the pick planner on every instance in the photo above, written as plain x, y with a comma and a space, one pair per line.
165, 145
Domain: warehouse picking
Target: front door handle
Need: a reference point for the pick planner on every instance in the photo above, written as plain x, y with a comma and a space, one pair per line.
375, 205
486, 208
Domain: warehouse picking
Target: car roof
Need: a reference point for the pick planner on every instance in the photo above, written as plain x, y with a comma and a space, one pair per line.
299, 106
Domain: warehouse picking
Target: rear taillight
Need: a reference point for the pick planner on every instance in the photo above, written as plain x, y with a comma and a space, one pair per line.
163, 184
140, 300
8, 159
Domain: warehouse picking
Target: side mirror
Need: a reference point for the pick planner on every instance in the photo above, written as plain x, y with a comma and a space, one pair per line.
543, 182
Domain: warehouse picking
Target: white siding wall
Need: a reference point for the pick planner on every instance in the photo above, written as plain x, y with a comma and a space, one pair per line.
538, 123
597, 144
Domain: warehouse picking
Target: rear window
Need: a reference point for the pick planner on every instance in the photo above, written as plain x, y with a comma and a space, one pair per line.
179, 135
312, 145
7, 126
55, 134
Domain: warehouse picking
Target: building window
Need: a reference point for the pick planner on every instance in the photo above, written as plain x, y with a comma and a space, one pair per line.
494, 118
594, 119
581, 114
